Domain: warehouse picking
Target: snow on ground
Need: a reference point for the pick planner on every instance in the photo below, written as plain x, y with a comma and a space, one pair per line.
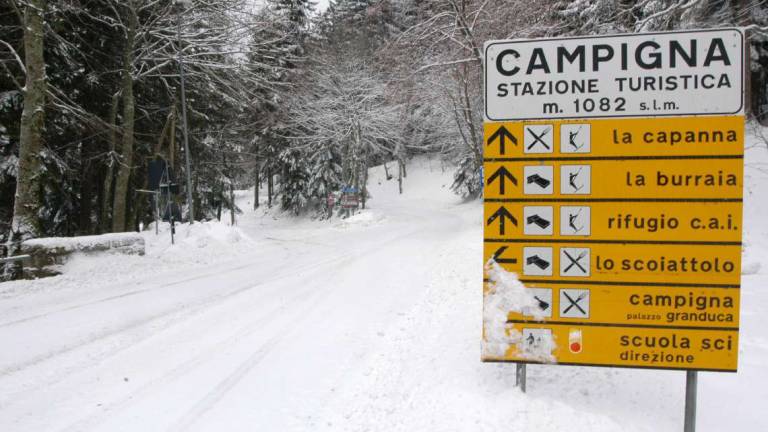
370, 323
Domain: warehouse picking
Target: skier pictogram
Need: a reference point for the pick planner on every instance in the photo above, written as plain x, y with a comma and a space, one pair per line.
572, 180
572, 139
575, 138
575, 179
572, 218
575, 220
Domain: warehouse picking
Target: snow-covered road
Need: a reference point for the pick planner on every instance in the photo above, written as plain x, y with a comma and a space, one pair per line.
372, 323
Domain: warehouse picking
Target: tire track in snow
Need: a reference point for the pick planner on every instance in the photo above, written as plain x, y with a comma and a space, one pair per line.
211, 398
183, 313
165, 320
214, 396
238, 266
351, 255
181, 369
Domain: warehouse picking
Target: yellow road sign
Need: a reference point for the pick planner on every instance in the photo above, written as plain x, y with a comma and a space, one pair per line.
701, 349
593, 263
712, 221
658, 180
655, 306
628, 234
618, 138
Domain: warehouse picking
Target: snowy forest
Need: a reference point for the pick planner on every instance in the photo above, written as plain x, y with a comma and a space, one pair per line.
299, 97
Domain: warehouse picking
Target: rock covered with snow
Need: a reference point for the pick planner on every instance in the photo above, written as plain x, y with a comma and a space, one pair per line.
49, 254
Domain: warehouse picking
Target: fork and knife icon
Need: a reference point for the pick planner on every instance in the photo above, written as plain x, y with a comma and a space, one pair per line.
575, 261
574, 303
539, 138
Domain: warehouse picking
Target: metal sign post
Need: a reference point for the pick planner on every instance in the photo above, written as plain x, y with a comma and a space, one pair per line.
691, 378
350, 199
187, 165
155, 206
162, 187
520, 376
156, 203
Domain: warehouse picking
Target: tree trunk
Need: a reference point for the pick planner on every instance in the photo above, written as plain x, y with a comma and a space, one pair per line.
25, 223
109, 177
132, 210
124, 171
269, 188
364, 189
346, 171
232, 203
256, 181
172, 139
158, 150
196, 197
86, 196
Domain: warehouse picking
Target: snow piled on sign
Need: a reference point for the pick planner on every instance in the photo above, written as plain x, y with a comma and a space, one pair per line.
506, 294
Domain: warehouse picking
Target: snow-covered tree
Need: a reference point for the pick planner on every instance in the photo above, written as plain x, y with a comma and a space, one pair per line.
29, 194
294, 185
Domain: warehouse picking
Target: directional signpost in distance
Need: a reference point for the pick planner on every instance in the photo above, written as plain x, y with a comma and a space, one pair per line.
614, 173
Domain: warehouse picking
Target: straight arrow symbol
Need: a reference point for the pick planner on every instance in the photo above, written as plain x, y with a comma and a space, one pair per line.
502, 174
501, 214
502, 134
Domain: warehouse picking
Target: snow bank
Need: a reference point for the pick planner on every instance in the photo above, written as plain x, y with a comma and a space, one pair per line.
201, 247
506, 294
90, 243
362, 218
201, 242
50, 254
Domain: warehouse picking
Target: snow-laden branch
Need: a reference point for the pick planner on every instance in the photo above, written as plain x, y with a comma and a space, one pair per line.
15, 56
446, 63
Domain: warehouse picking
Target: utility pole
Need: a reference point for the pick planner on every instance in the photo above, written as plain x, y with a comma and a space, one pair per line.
190, 201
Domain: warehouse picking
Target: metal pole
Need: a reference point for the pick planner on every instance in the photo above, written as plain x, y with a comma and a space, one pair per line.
190, 202
169, 206
691, 379
520, 376
156, 202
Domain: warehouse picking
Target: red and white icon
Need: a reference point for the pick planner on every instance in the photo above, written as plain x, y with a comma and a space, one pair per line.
574, 341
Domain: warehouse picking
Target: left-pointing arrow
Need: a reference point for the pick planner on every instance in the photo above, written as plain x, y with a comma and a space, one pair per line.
501, 214
502, 174
497, 257
502, 134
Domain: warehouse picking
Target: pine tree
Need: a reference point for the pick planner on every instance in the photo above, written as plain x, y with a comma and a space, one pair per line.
275, 57
325, 173
294, 184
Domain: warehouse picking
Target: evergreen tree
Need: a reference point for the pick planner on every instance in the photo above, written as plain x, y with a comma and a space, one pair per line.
325, 173
294, 184
277, 50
